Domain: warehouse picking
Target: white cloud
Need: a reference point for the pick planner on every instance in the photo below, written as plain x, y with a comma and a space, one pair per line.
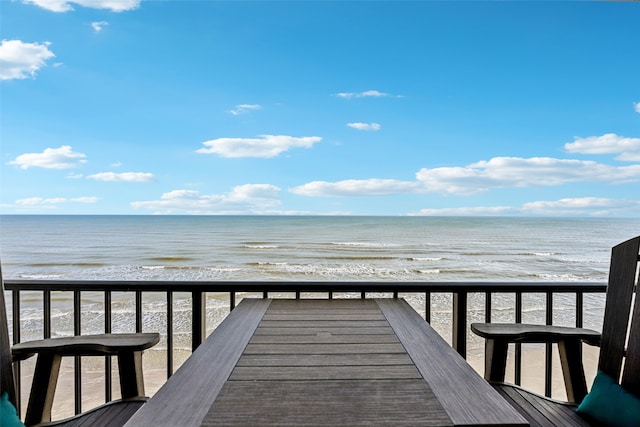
636, 106
355, 187
99, 25
66, 5
264, 146
610, 143
506, 172
253, 198
499, 172
366, 94
571, 203
468, 211
590, 206
245, 108
39, 201
364, 126
20, 60
51, 158
122, 177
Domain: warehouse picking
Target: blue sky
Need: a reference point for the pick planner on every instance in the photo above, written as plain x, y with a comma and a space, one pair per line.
358, 108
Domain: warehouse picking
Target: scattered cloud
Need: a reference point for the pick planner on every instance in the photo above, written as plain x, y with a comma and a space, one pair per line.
468, 211
39, 201
364, 126
574, 203
264, 146
366, 94
20, 60
116, 164
636, 106
51, 158
253, 198
355, 187
122, 177
590, 206
498, 172
75, 176
99, 25
508, 172
66, 5
245, 108
610, 143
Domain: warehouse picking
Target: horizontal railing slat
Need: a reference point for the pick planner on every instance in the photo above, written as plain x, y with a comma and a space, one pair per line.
298, 286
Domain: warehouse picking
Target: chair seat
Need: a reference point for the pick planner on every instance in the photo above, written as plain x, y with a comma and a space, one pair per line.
113, 414
541, 411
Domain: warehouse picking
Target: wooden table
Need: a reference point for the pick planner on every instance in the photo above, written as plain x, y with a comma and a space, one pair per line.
325, 362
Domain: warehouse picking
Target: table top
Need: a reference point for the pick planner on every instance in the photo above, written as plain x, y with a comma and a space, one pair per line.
325, 362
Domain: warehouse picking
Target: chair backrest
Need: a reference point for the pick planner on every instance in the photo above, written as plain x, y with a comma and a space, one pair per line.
6, 369
621, 327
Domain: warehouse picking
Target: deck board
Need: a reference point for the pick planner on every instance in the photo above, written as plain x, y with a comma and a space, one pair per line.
267, 360
324, 323
333, 330
324, 337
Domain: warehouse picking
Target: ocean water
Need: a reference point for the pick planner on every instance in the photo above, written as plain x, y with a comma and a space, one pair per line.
309, 248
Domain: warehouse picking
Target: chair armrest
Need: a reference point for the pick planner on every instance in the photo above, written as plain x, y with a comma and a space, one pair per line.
528, 333
499, 335
127, 347
86, 345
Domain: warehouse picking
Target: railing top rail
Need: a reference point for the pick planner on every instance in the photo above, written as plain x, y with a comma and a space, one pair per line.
303, 286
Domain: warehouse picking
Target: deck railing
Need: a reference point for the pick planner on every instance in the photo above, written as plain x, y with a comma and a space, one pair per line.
460, 293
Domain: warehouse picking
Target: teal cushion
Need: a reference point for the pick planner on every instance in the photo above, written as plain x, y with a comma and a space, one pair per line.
8, 413
610, 404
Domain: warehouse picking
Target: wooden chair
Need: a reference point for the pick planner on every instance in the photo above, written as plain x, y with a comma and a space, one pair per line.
621, 328
127, 347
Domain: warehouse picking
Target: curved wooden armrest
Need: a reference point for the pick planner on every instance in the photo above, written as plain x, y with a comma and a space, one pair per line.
127, 347
86, 345
499, 335
527, 333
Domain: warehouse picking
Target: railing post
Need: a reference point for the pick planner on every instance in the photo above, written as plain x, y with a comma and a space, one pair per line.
459, 340
138, 311
199, 319
427, 306
108, 389
77, 329
548, 368
487, 307
579, 309
518, 355
15, 304
169, 334
46, 307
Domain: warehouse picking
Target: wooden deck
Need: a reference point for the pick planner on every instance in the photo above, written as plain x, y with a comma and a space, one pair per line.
339, 363
325, 362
